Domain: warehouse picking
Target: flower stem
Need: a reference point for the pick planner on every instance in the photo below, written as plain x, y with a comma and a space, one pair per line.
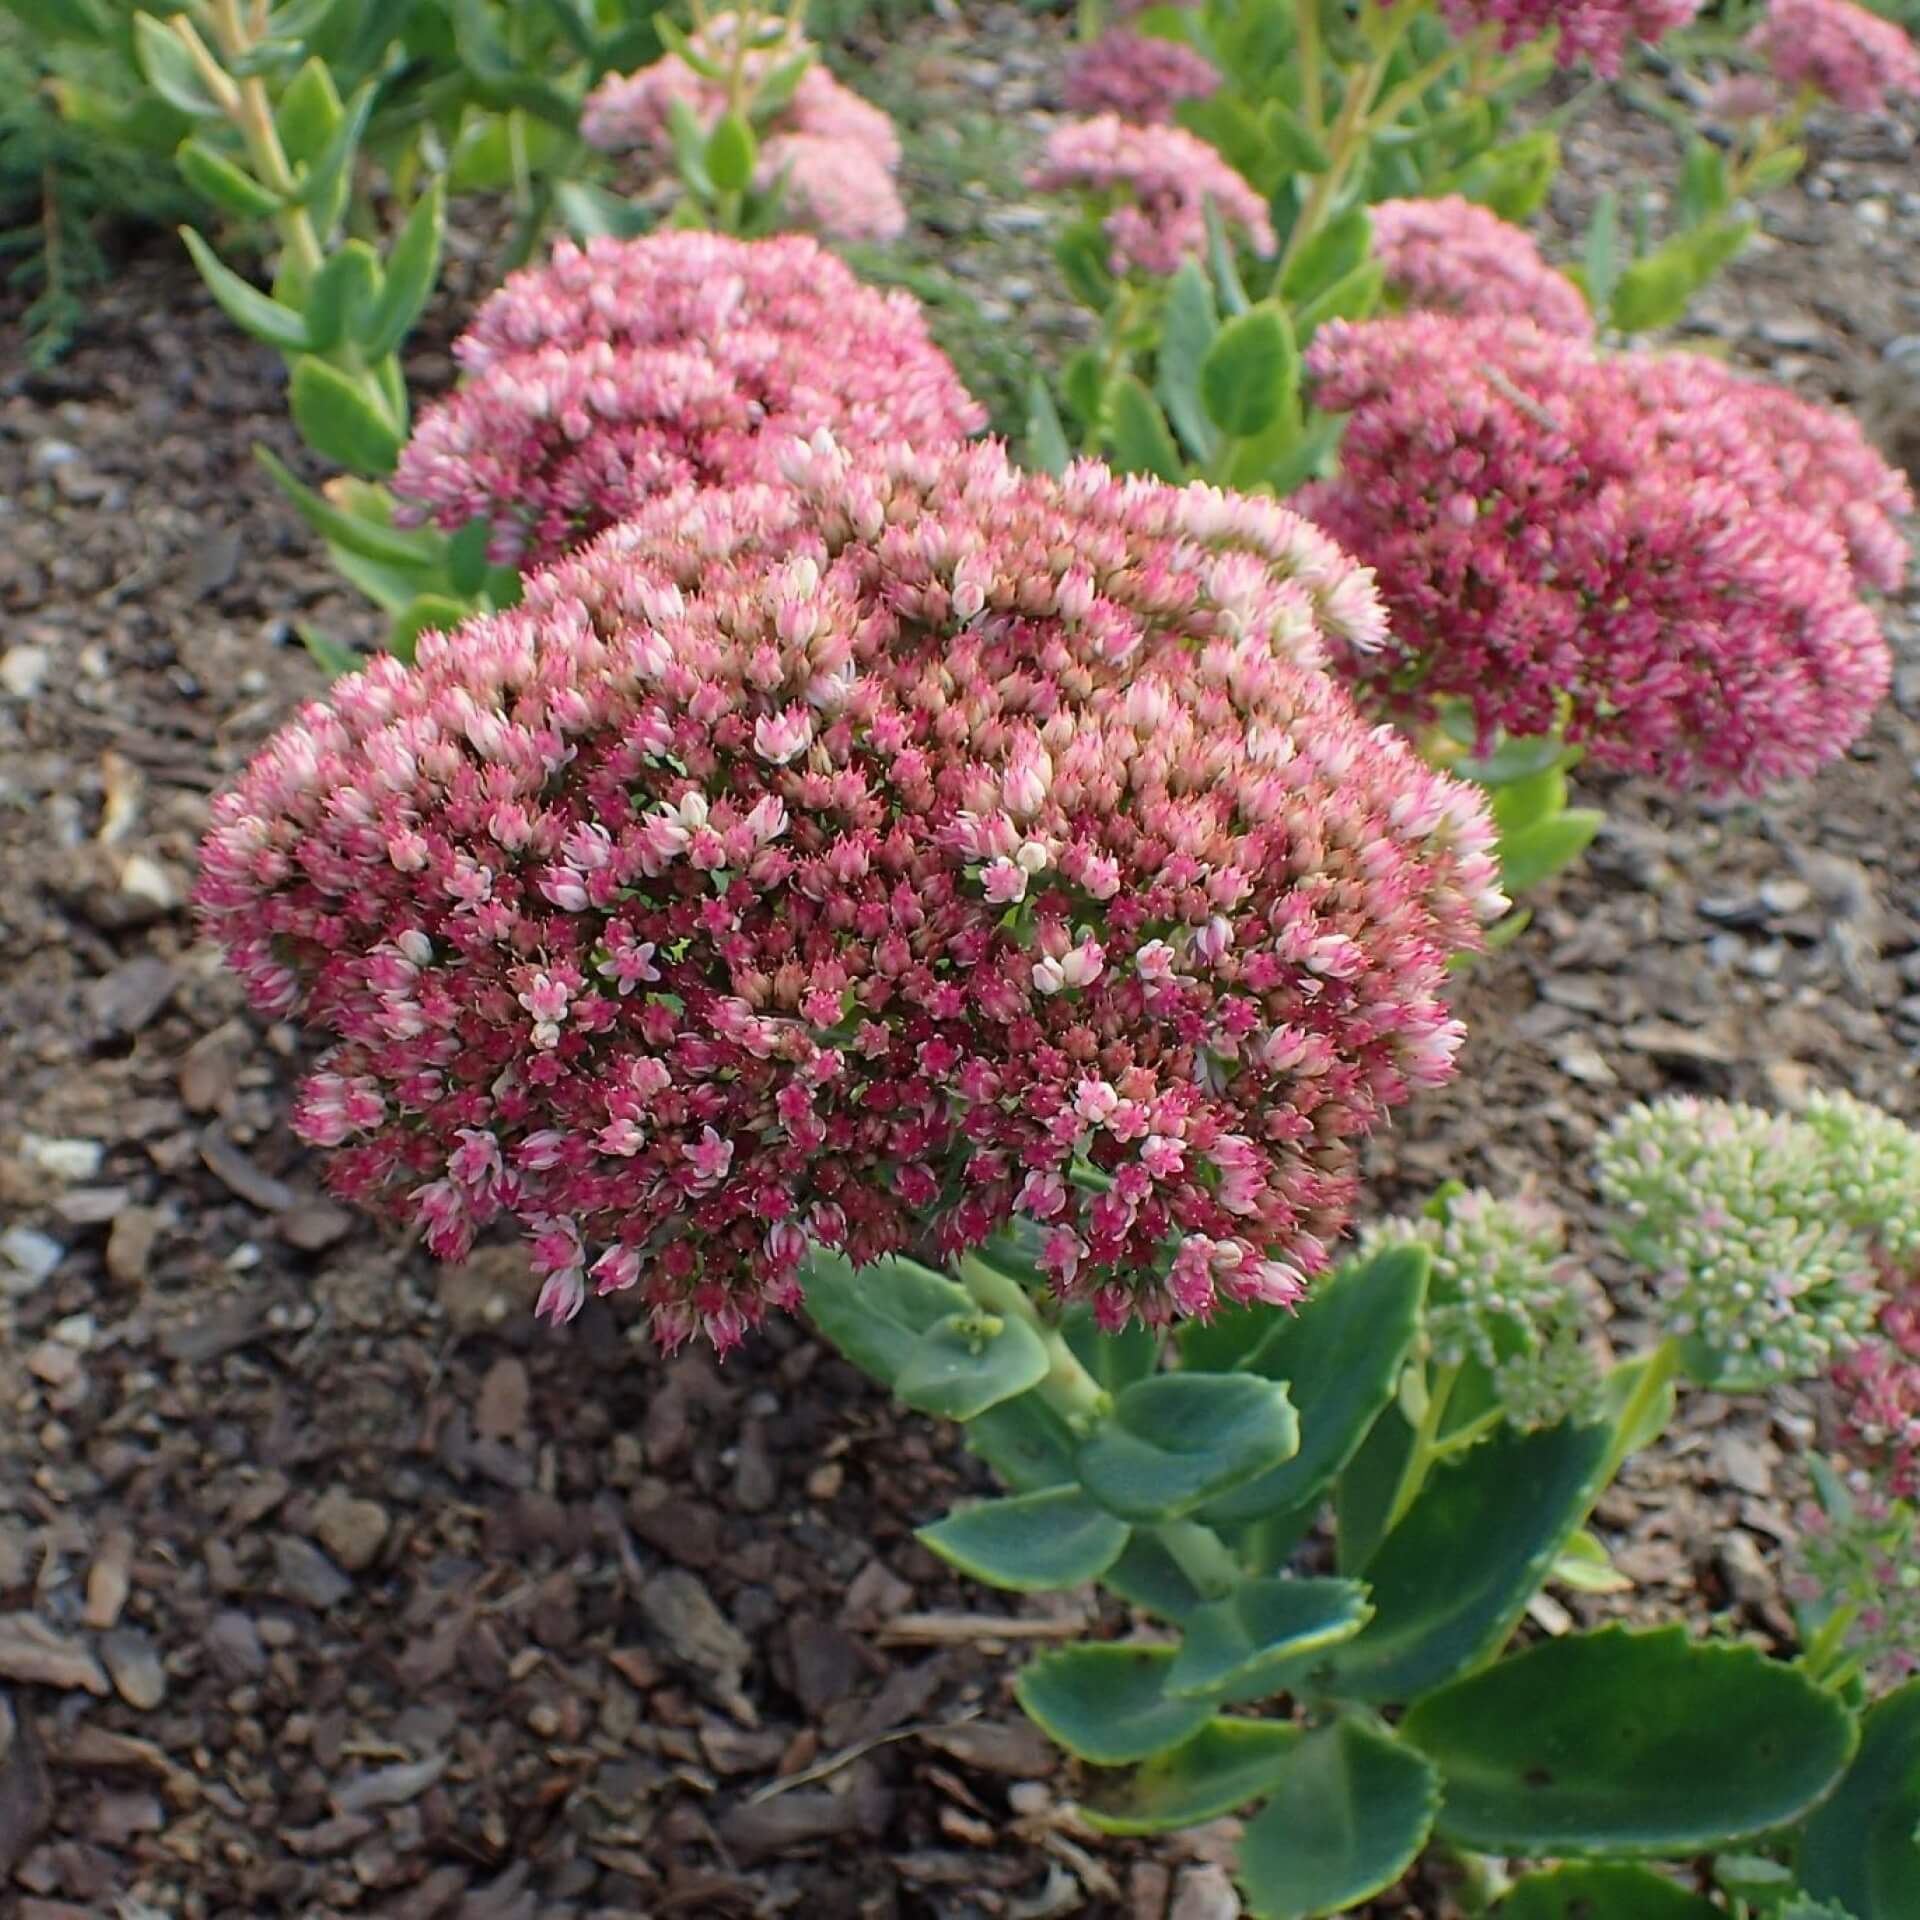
1313, 103
1662, 1367
1202, 1556
1427, 1447
1068, 1388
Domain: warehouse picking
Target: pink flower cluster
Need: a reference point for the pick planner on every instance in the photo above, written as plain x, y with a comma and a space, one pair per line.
1156, 182
849, 862
1649, 551
839, 153
1451, 255
1136, 75
1853, 57
1596, 31
626, 368
1879, 1383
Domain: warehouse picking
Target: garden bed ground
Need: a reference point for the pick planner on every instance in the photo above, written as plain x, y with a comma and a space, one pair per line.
331, 1584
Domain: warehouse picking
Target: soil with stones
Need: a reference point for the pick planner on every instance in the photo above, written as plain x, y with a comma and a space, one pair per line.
331, 1585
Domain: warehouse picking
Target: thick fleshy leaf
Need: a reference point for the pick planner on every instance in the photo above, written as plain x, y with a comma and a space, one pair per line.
1187, 332
1630, 1744
338, 420
419, 548
876, 1314
1250, 378
1363, 1495
1340, 1356
1031, 1543
1611, 1892
1860, 1847
731, 153
169, 69
1451, 1581
1046, 448
1234, 1646
1107, 1703
1148, 1576
1225, 1765
342, 294
970, 1361
1025, 1442
268, 320
1348, 1816
428, 613
412, 268
1534, 853
1115, 1360
1137, 431
232, 189
1176, 1441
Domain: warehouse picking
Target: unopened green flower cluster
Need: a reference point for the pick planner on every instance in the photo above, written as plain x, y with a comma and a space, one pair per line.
1503, 1293
1764, 1230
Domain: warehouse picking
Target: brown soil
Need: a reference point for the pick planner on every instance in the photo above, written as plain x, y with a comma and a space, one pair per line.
330, 1584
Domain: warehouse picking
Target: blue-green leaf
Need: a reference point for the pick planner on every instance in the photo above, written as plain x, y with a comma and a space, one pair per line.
1859, 1848
1178, 1440
250, 309
1235, 1647
876, 1314
1226, 1764
1031, 1543
1106, 1703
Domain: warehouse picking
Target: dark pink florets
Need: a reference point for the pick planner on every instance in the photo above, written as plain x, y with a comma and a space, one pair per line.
845, 863
1154, 183
1598, 32
626, 368
1879, 1386
1647, 550
1450, 255
1853, 57
1137, 76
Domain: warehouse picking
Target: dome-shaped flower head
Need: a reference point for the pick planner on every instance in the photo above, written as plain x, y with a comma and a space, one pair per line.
1743, 1218
1853, 57
1598, 32
1502, 1296
1452, 256
1153, 185
1138, 76
846, 863
1654, 556
839, 152
621, 370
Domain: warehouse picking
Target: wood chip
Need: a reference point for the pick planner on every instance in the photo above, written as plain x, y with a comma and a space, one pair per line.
945, 1629
387, 1786
108, 1580
239, 1175
33, 1653
500, 1412
1663, 1040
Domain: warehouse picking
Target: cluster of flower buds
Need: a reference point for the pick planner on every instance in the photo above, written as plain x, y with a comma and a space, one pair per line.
1864, 1561
838, 152
866, 861
1834, 48
1598, 32
619, 371
1451, 255
1152, 186
1503, 1294
1649, 552
1138, 76
1766, 1252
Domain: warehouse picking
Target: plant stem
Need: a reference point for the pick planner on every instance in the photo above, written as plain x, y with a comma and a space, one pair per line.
1313, 102
1426, 1445
1069, 1388
1662, 1367
1202, 1556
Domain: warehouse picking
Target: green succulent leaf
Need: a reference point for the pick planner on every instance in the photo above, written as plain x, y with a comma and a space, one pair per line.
1613, 1892
1535, 853
1031, 1543
1148, 1576
1189, 329
412, 268
970, 1361
1340, 1356
1115, 1360
1451, 1581
590, 212
342, 295
1106, 1702
1047, 450
246, 306
1236, 1646
1340, 246
1250, 378
1226, 1764
309, 114
1299, 150
230, 188
1630, 1744
1369, 1483
1137, 431
373, 539
337, 419
425, 613
1227, 287
1859, 1848
877, 1314
331, 656
1081, 253
169, 69
1025, 1442
1348, 1816
1176, 1441
732, 153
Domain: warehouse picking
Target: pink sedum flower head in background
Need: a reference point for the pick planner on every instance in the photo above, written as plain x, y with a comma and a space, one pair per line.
1137, 76
839, 152
839, 863
626, 368
1452, 256
1852, 57
1160, 179
1656, 553
1597, 32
